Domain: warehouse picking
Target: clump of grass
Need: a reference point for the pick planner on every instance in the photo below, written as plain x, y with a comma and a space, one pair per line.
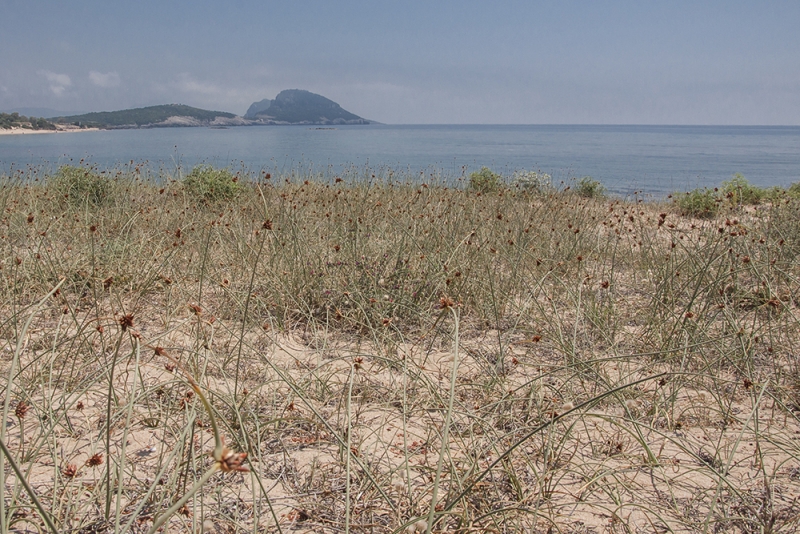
81, 185
706, 203
703, 203
588, 187
739, 191
485, 180
210, 184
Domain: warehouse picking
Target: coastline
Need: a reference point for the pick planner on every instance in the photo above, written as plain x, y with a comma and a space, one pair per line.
59, 129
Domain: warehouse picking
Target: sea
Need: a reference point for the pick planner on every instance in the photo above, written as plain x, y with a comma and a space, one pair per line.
629, 160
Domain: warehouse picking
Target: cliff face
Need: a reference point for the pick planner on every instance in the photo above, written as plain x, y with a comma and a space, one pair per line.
295, 106
258, 107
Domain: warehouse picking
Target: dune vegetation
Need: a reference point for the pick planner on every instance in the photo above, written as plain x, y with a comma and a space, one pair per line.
213, 351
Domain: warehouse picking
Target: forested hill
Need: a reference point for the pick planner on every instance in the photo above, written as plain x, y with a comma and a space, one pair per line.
152, 116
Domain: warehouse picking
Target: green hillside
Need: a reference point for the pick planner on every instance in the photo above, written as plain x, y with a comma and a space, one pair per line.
142, 116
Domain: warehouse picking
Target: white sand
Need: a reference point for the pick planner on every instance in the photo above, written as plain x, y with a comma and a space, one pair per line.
60, 129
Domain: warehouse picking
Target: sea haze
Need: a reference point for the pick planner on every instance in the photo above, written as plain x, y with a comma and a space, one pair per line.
654, 159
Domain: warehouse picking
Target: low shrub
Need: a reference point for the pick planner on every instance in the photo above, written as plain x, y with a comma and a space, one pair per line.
739, 191
703, 203
794, 190
484, 180
588, 187
210, 184
81, 185
537, 183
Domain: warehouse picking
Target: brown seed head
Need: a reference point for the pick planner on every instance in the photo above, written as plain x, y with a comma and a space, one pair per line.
446, 302
69, 471
95, 460
232, 461
126, 321
21, 410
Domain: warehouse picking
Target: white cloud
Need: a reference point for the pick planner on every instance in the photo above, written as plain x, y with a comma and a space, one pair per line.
224, 94
109, 79
58, 82
188, 84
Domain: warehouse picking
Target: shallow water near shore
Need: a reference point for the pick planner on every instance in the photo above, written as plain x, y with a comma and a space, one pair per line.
656, 160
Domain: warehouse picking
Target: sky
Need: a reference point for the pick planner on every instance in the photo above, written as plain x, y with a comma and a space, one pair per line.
414, 62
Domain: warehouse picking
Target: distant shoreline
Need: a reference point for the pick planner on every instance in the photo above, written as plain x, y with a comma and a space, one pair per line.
59, 129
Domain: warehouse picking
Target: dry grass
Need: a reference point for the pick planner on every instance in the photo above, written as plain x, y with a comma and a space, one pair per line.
397, 357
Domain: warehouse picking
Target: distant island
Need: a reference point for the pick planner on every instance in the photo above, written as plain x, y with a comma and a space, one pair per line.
292, 106
296, 106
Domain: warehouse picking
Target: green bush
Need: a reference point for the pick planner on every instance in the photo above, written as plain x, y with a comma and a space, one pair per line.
212, 184
81, 185
702, 203
794, 190
775, 193
590, 188
484, 180
739, 191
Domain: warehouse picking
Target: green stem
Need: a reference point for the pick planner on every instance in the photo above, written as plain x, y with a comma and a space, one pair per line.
348, 453
538, 429
445, 448
108, 426
178, 505
244, 316
11, 373
45, 516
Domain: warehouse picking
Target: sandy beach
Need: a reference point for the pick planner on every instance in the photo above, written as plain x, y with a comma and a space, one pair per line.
60, 129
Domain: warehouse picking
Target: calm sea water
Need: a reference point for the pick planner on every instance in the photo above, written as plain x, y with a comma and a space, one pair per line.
653, 159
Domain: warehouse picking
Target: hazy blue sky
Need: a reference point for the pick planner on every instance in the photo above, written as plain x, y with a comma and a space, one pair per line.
641, 62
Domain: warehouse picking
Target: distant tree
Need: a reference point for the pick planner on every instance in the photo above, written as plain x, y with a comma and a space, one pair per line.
15, 120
